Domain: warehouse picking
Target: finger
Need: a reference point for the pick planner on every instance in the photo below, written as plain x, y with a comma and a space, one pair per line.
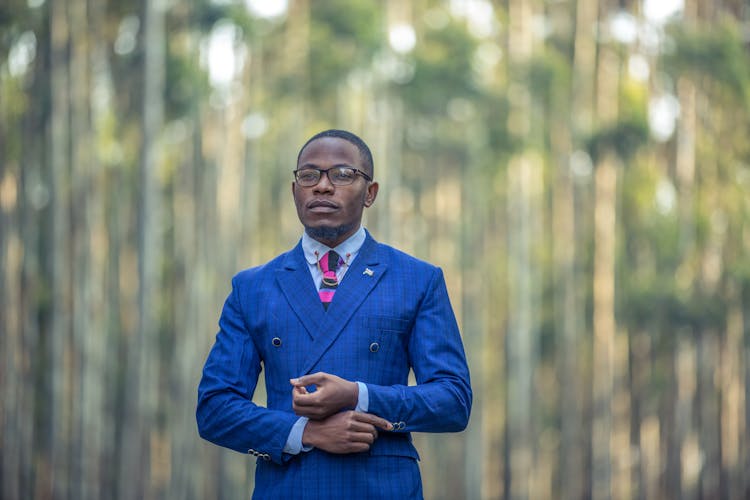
300, 394
356, 448
372, 431
360, 427
312, 379
303, 398
376, 421
306, 410
311, 413
296, 382
385, 425
362, 437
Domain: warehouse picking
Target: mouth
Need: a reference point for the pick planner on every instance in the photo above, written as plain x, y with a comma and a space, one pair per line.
322, 206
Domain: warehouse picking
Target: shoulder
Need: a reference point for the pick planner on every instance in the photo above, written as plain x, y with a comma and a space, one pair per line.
263, 271
402, 258
410, 268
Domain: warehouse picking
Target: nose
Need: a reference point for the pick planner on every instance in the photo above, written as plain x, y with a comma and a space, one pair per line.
324, 185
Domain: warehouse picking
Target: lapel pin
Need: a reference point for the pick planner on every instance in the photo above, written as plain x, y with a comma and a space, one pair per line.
368, 272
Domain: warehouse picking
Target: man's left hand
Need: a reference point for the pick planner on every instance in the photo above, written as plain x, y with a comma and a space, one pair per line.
332, 394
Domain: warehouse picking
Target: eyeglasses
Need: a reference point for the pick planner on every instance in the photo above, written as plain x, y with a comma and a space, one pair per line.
338, 176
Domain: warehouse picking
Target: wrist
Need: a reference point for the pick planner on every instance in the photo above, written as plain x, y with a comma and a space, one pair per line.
308, 434
355, 395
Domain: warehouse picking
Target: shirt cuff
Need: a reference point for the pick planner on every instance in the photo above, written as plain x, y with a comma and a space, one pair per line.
363, 399
294, 444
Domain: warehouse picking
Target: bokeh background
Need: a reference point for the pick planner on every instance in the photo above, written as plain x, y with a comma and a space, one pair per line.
579, 168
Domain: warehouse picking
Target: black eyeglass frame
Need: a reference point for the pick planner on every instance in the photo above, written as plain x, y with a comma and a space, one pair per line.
321, 172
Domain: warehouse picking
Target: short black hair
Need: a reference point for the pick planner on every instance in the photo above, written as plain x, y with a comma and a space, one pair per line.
364, 150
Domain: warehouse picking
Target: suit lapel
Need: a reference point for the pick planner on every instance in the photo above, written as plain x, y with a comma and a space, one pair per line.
366, 271
297, 286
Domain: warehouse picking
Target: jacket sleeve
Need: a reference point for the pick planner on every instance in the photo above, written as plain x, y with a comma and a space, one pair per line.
441, 400
225, 413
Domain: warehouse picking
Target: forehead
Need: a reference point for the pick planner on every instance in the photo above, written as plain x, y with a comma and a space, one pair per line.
330, 151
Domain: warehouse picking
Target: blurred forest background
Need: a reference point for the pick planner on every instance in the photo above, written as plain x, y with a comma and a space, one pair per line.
579, 168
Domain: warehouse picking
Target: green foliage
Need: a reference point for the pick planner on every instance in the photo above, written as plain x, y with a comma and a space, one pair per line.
443, 70
655, 245
713, 52
17, 102
657, 302
205, 14
13, 13
633, 103
623, 139
16, 18
739, 273
494, 109
186, 85
546, 76
344, 35
631, 130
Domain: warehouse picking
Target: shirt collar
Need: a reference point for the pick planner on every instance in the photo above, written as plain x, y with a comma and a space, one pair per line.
349, 246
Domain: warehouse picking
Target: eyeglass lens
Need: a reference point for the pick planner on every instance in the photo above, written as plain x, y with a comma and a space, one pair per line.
339, 176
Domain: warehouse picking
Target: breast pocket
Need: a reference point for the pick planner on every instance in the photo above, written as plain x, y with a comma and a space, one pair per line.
385, 343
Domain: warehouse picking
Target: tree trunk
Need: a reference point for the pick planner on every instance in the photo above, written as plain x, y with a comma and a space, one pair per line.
569, 315
143, 473
604, 326
605, 224
59, 251
524, 179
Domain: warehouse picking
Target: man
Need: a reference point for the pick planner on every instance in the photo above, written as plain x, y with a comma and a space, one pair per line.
337, 334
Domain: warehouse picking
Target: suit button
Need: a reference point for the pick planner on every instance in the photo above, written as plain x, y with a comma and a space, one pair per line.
374, 347
276, 342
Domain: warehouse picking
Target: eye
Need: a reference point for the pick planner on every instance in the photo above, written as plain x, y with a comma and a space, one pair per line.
308, 175
343, 174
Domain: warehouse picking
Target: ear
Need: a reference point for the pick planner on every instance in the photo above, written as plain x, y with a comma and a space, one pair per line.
371, 194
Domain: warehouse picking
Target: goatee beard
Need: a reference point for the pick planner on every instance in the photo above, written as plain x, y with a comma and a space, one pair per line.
327, 233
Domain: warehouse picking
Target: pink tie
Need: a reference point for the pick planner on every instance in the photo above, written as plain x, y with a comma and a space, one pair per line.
329, 263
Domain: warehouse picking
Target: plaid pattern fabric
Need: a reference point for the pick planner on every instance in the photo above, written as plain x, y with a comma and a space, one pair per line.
329, 264
391, 313
318, 475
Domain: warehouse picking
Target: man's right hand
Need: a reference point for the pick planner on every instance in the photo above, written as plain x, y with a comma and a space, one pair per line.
345, 432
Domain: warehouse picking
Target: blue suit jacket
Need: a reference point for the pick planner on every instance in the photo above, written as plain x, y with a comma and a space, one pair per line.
390, 313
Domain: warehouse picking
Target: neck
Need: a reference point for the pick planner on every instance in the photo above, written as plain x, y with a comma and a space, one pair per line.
331, 236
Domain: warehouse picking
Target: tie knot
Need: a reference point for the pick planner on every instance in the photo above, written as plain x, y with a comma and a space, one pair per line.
330, 262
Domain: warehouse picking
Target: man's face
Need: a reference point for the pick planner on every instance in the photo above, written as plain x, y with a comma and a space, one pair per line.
331, 213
